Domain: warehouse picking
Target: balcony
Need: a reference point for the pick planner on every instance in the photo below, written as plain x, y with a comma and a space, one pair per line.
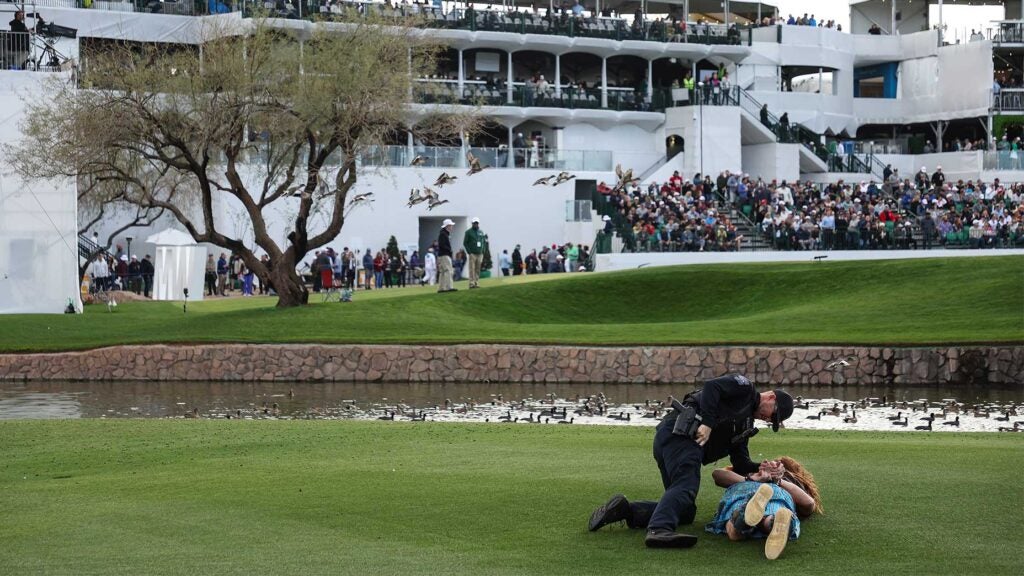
479, 93
500, 157
170, 7
515, 22
1008, 100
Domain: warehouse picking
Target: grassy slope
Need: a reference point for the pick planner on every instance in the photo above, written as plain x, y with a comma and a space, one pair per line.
955, 300
242, 497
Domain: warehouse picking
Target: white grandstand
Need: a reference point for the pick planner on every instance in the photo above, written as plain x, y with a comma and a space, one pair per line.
586, 93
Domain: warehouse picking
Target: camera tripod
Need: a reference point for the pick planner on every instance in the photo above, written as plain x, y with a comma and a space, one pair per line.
49, 58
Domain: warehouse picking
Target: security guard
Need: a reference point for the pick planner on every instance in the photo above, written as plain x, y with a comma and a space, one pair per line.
709, 423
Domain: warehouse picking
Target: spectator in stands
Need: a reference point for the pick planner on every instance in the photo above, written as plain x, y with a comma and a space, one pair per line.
938, 178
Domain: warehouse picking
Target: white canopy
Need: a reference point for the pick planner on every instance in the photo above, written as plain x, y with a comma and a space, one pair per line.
180, 264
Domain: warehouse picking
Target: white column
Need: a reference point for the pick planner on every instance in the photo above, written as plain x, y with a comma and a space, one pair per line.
558, 75
650, 80
511, 163
411, 147
462, 75
509, 86
604, 82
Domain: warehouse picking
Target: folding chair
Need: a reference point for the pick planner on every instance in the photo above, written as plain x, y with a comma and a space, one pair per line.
329, 286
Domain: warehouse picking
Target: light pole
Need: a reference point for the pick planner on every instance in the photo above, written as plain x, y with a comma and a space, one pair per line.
129, 239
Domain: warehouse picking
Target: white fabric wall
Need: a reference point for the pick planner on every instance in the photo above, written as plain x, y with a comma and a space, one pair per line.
720, 143
177, 268
38, 222
772, 161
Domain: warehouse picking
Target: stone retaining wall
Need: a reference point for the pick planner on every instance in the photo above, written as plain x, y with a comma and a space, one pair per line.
504, 363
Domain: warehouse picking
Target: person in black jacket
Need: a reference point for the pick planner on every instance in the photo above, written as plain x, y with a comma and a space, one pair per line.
444, 257
146, 269
19, 42
707, 425
517, 261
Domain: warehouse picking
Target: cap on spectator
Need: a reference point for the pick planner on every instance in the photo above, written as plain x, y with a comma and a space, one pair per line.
135, 256
475, 220
606, 218
124, 257
447, 222
938, 167
923, 169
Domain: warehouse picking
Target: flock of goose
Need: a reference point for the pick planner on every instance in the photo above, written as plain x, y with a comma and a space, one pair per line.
864, 414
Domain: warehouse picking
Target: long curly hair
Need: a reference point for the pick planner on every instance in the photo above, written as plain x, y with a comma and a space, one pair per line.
803, 478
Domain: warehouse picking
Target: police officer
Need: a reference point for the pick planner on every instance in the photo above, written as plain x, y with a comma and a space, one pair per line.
708, 424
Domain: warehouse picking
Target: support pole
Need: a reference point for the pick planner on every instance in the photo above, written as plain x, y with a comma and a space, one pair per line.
508, 88
650, 81
511, 162
604, 82
462, 76
558, 75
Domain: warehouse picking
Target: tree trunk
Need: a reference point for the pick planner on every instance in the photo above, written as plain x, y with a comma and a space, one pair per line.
291, 291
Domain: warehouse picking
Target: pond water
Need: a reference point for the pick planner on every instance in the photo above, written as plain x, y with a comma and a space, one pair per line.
855, 408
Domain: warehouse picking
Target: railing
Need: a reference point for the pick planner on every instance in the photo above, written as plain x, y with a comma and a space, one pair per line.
1009, 99
174, 7
526, 22
500, 157
578, 210
783, 133
429, 91
1003, 160
1009, 32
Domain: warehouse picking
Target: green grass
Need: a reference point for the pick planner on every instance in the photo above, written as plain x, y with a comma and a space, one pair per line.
321, 497
909, 302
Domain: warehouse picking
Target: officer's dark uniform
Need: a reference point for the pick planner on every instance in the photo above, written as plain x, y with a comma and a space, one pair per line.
727, 405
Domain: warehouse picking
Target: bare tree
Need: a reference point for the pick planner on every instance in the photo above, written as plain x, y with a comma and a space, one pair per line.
254, 120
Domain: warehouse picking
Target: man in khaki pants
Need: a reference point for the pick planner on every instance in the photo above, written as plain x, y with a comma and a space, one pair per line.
473, 244
444, 257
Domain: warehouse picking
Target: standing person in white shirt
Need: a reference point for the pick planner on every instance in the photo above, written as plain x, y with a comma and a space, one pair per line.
98, 272
505, 263
429, 268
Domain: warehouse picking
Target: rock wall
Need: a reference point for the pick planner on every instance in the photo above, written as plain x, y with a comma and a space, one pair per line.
506, 363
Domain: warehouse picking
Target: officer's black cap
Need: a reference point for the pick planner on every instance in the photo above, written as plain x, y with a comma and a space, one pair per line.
783, 408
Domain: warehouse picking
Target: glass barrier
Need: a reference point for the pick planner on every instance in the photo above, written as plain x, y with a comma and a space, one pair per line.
499, 157
578, 210
1003, 160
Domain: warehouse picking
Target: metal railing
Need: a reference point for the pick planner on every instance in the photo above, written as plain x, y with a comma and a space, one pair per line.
499, 157
1003, 160
526, 22
173, 7
428, 91
1009, 99
578, 210
1008, 32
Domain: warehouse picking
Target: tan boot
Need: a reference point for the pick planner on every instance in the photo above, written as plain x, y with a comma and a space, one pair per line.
779, 535
755, 507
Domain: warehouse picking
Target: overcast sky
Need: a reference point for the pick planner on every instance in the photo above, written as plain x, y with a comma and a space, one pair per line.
957, 17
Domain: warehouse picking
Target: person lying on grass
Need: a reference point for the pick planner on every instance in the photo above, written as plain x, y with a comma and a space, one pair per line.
766, 504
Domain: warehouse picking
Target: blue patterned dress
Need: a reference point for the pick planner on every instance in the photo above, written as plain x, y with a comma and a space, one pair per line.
736, 498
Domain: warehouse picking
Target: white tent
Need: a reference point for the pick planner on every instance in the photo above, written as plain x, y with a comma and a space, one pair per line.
38, 223
180, 263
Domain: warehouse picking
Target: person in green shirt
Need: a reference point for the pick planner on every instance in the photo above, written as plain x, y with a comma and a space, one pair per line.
573, 255
473, 244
